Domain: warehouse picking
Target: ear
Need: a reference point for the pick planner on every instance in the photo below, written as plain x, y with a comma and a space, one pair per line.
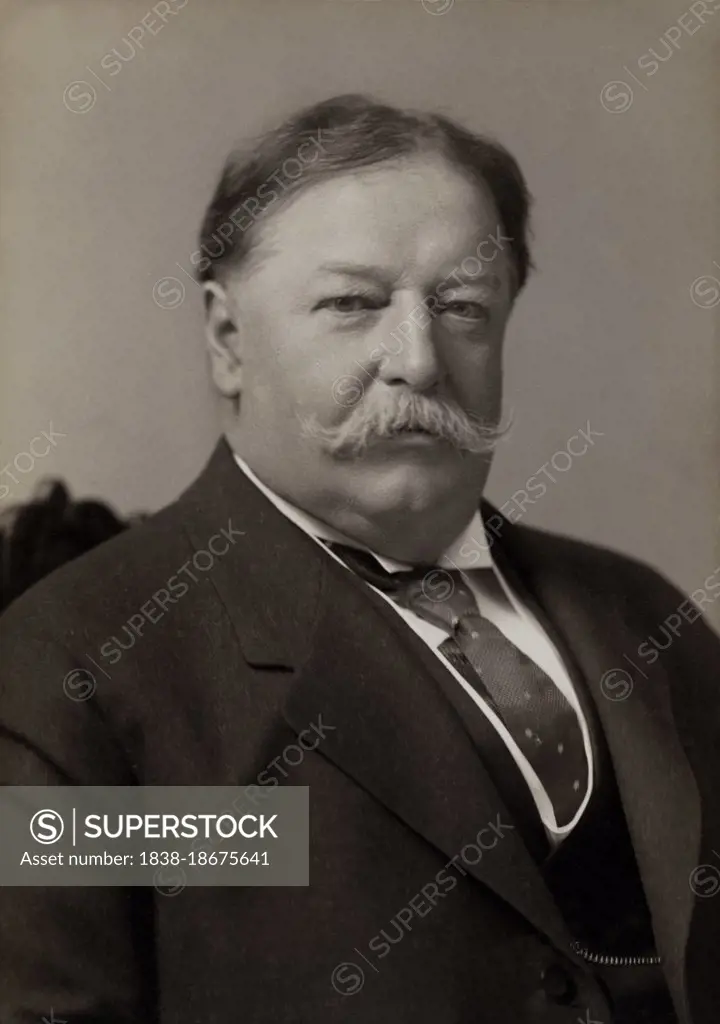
223, 333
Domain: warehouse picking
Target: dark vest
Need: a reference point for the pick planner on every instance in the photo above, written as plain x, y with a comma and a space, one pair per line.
593, 874
594, 878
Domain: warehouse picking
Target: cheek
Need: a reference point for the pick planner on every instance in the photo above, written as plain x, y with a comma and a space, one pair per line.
325, 374
306, 369
475, 370
332, 393
279, 365
302, 381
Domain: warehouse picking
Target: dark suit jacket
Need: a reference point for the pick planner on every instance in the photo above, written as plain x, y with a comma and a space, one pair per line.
277, 636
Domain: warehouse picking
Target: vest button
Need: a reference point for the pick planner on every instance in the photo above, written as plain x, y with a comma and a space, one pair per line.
558, 984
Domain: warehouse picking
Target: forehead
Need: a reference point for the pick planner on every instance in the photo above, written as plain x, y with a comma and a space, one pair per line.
415, 218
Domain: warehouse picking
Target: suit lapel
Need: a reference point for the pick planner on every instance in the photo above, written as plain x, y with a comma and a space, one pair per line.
397, 735
370, 677
657, 788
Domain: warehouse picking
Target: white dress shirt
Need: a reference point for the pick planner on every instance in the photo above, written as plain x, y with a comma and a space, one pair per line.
497, 603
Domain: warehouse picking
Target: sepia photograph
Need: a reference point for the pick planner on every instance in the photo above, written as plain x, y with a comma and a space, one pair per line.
359, 511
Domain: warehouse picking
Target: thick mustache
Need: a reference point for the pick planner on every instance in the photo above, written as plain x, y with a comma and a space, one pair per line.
373, 420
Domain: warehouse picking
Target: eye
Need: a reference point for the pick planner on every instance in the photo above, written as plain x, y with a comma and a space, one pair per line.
352, 302
471, 312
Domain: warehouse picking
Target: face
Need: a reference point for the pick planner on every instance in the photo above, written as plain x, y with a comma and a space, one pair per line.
377, 300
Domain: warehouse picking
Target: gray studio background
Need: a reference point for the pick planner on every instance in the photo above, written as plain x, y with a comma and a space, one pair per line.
99, 204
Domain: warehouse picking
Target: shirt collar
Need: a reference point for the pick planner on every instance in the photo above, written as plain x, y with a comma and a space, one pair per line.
469, 550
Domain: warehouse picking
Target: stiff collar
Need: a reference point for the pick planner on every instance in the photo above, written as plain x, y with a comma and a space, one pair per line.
469, 550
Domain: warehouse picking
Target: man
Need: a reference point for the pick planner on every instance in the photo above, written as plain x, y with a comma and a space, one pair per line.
495, 834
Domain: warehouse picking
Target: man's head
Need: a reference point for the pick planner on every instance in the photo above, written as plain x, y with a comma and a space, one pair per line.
360, 268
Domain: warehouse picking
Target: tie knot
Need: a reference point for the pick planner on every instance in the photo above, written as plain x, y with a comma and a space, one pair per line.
436, 594
367, 566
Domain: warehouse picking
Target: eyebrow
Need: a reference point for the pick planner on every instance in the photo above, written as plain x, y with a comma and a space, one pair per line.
358, 270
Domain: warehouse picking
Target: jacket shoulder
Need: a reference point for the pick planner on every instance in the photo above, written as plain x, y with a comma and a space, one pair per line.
609, 578
613, 578
118, 571
580, 555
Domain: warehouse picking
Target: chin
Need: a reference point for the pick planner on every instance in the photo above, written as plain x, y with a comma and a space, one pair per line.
412, 486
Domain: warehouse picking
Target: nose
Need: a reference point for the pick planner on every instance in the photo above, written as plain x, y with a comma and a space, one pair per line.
409, 354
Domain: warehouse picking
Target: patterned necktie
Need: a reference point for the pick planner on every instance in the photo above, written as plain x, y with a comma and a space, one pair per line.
535, 712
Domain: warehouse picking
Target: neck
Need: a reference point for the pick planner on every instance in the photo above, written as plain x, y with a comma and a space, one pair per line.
415, 538
408, 524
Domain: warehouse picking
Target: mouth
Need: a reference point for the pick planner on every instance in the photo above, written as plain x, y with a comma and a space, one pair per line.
408, 429
418, 434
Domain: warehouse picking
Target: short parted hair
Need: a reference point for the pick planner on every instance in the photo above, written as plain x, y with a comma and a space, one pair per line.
343, 134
